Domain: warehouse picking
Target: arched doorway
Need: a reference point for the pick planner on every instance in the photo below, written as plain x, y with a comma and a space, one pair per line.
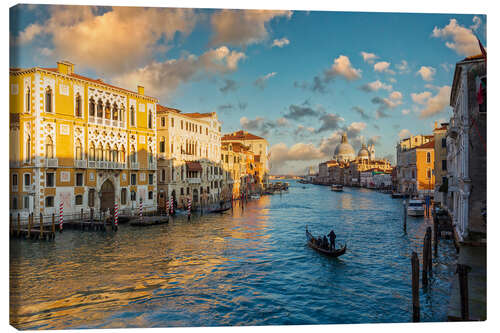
107, 196
195, 196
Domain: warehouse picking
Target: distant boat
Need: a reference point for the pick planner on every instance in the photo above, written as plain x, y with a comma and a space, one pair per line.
397, 195
415, 208
337, 188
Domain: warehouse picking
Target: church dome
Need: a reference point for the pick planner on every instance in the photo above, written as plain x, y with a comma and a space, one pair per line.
344, 151
364, 153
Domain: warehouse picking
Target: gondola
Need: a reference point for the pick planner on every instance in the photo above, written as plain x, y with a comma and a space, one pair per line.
335, 253
220, 210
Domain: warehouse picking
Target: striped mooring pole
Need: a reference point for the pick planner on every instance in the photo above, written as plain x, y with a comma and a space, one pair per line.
116, 217
140, 210
167, 207
172, 205
61, 218
189, 208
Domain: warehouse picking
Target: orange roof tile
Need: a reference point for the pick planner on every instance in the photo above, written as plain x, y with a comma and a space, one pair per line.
198, 115
241, 135
429, 144
162, 109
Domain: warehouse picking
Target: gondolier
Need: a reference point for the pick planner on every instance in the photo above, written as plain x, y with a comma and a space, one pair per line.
316, 245
332, 237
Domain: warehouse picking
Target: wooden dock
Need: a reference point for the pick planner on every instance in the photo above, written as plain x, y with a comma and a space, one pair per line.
43, 230
149, 220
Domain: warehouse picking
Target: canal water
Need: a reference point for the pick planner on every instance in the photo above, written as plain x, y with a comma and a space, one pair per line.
247, 267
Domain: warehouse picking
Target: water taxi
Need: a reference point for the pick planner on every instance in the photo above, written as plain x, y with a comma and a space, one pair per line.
337, 187
415, 207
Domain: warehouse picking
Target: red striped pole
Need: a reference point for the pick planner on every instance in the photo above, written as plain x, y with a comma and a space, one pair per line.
140, 210
189, 208
167, 206
61, 218
172, 205
116, 216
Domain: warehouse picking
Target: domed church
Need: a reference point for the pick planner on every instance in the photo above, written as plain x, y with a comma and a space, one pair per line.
344, 151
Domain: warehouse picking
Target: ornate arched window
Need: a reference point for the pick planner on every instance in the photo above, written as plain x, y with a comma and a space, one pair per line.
28, 149
48, 100
107, 110
91, 107
132, 116
122, 113
115, 153
115, 111
92, 152
28, 99
107, 154
122, 154
99, 152
162, 144
150, 119
99, 108
132, 154
78, 105
49, 147
78, 150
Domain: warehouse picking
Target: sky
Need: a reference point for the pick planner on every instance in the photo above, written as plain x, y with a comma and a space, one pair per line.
298, 78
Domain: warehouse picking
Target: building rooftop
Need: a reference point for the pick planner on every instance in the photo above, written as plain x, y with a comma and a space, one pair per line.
241, 135
162, 109
199, 115
85, 78
429, 144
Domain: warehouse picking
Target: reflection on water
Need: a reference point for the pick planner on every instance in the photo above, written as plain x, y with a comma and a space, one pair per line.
250, 266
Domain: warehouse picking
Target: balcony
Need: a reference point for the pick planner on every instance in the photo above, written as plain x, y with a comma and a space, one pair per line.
80, 164
51, 162
101, 164
194, 180
29, 188
92, 164
14, 164
106, 122
134, 165
14, 188
152, 165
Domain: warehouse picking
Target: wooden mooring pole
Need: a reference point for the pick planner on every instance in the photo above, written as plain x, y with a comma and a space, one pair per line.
53, 225
11, 224
415, 286
18, 224
41, 226
405, 210
463, 271
30, 219
426, 258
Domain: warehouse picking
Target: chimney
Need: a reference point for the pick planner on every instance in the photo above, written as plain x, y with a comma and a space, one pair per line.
140, 90
65, 67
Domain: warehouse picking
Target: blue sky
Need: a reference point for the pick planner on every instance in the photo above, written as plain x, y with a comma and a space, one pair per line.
297, 78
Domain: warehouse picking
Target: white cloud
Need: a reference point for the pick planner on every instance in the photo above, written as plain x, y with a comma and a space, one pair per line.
477, 23
162, 78
261, 81
97, 40
437, 103
342, 67
421, 98
403, 67
392, 80
405, 111
404, 133
375, 86
281, 154
383, 67
396, 96
463, 40
368, 57
243, 27
427, 73
280, 42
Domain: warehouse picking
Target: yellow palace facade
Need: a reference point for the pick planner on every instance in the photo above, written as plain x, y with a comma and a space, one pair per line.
79, 141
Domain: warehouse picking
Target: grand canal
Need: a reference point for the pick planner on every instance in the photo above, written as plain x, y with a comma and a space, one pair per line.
246, 267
